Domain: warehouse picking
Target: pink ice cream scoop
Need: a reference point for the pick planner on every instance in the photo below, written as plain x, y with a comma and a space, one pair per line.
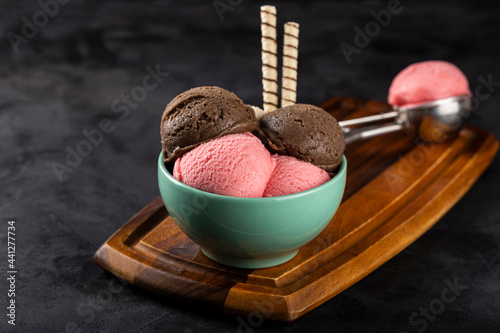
292, 176
427, 81
235, 165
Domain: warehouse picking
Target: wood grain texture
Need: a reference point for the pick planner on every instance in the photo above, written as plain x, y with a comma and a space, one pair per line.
396, 190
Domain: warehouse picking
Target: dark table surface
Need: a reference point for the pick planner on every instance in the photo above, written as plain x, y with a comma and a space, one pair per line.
76, 66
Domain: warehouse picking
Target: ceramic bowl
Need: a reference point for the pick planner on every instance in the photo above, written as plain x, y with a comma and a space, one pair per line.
251, 232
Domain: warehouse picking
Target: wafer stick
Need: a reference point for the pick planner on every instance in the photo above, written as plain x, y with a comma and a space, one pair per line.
269, 58
290, 63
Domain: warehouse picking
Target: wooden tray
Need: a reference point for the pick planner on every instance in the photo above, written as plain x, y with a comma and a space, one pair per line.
396, 190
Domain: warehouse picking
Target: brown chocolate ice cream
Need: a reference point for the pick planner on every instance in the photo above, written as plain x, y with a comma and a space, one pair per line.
199, 115
306, 132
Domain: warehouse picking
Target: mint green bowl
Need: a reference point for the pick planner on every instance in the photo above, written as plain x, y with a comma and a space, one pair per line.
250, 232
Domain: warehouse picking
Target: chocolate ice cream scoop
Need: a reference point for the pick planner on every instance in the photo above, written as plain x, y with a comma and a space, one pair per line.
306, 132
199, 115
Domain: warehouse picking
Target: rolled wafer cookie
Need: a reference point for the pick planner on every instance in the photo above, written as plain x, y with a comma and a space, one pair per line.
269, 58
290, 64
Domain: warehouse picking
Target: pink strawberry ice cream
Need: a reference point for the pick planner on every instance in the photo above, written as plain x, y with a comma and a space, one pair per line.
239, 165
292, 176
235, 165
427, 81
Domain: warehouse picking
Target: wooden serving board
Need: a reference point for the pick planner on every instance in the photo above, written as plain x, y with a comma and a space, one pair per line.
396, 190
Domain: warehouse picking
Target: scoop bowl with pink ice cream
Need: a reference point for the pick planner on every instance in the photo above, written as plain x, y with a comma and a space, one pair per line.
427, 81
433, 99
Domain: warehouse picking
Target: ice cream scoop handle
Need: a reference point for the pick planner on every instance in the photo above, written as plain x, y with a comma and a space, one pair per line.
356, 134
369, 119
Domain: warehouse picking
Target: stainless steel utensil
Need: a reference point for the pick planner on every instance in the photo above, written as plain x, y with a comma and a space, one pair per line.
435, 121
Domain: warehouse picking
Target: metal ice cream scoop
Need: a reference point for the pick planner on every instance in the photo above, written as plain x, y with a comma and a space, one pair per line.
434, 121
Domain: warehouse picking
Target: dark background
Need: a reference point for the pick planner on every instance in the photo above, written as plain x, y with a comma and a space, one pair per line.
64, 80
